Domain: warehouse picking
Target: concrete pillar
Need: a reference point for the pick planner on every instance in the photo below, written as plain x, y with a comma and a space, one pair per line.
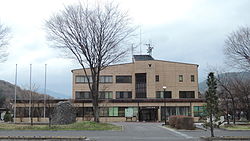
159, 113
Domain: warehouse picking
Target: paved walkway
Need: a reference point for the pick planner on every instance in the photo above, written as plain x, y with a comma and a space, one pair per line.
132, 131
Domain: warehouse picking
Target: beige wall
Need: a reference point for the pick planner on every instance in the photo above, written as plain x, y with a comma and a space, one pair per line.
168, 71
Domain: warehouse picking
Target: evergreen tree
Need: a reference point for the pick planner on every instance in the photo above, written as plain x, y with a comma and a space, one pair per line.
212, 100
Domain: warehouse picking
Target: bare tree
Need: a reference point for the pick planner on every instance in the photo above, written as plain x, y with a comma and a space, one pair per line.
94, 36
238, 48
4, 38
225, 86
242, 89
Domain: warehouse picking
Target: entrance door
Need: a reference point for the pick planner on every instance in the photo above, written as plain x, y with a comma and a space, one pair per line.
148, 114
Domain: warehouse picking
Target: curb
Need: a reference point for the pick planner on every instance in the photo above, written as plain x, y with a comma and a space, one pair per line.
225, 138
44, 137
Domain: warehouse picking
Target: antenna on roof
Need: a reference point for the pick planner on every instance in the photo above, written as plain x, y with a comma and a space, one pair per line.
150, 49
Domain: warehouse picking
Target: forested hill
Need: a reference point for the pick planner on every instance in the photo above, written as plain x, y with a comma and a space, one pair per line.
203, 85
7, 90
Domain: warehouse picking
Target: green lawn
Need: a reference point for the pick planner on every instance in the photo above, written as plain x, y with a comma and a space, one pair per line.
237, 127
85, 125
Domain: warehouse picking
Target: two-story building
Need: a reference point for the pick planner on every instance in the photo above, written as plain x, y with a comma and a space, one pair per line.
143, 90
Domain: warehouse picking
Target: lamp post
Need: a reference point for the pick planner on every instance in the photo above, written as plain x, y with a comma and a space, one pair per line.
164, 96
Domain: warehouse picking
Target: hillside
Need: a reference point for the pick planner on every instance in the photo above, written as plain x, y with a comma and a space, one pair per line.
8, 90
203, 85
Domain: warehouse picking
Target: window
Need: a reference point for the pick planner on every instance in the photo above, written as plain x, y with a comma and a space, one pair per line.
157, 78
121, 111
104, 111
180, 78
199, 111
192, 78
123, 79
186, 94
121, 95
83, 95
88, 112
106, 79
82, 79
105, 95
23, 112
113, 111
79, 111
135, 111
160, 94
170, 111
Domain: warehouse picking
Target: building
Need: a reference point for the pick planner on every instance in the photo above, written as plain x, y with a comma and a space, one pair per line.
140, 90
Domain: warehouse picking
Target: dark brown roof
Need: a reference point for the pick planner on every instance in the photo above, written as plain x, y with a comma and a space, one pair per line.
142, 57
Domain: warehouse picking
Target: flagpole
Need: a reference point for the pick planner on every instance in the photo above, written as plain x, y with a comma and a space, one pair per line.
45, 81
15, 95
30, 94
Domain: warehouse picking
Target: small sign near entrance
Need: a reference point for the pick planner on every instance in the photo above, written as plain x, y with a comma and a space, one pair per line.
129, 112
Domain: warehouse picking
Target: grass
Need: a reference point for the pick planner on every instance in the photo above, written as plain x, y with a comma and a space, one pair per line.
85, 125
237, 127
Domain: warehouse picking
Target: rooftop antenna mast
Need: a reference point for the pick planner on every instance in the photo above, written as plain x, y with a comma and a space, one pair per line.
150, 49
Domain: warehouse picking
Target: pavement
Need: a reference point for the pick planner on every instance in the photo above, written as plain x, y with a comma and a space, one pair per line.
133, 131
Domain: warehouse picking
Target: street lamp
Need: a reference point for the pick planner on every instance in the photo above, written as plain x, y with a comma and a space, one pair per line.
164, 96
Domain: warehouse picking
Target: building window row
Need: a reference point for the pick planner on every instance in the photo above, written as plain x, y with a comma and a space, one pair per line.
102, 79
121, 79
170, 111
199, 111
124, 79
186, 94
181, 78
123, 94
162, 94
104, 95
128, 94
87, 95
105, 111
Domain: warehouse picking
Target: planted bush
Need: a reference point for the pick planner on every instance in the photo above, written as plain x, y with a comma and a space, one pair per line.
182, 122
172, 121
7, 117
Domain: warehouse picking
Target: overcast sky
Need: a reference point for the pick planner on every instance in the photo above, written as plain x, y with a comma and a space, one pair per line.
190, 31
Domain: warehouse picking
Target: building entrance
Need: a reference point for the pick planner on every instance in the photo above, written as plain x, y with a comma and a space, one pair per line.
148, 114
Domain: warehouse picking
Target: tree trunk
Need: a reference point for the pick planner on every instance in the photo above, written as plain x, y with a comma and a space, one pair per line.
248, 114
96, 111
211, 125
227, 113
234, 111
95, 101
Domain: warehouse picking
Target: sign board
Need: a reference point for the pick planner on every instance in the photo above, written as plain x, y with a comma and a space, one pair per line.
129, 112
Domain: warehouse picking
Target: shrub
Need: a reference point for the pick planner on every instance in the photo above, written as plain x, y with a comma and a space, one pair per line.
172, 121
7, 117
185, 122
181, 122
